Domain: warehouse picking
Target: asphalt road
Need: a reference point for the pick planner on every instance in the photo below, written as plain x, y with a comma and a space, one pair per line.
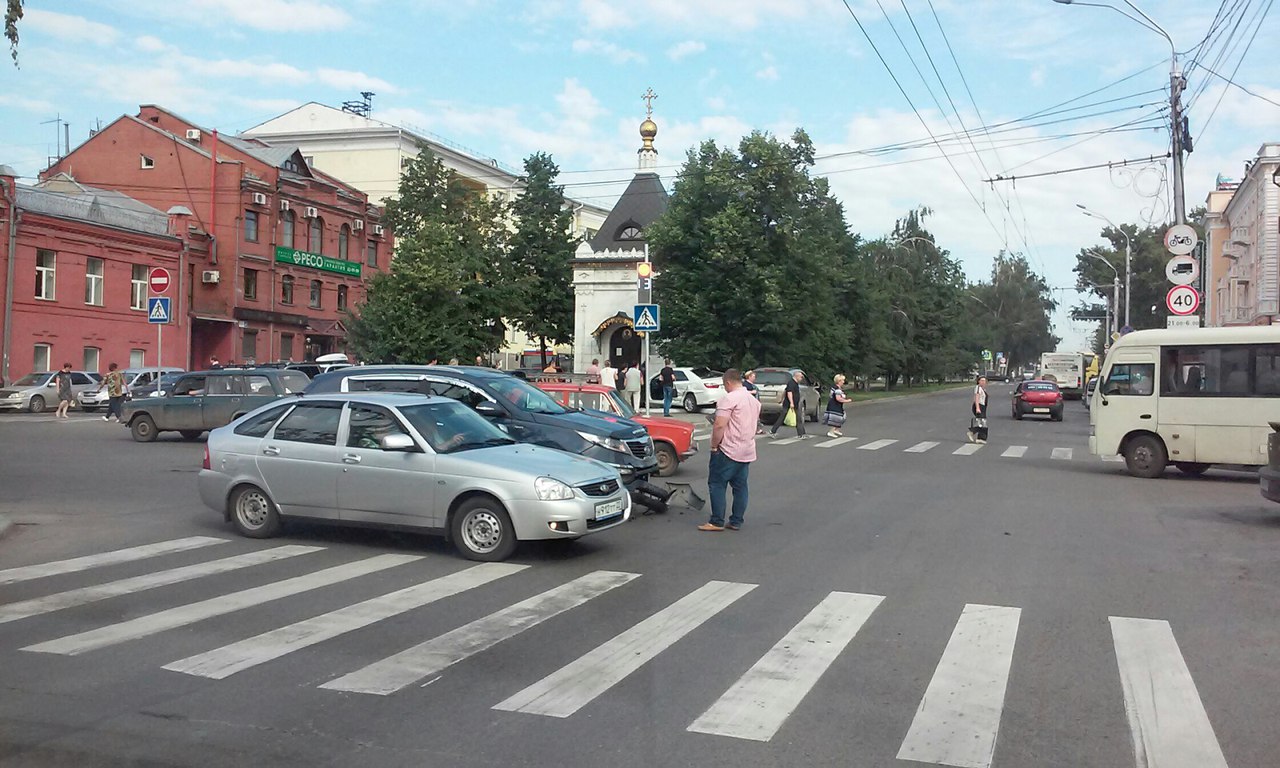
886, 604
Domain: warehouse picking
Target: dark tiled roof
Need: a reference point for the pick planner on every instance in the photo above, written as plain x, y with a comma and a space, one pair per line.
643, 202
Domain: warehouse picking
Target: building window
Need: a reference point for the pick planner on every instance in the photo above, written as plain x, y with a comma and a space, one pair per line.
344, 233
342, 297
286, 289
251, 226
249, 347
286, 234
93, 282
146, 162
251, 284
91, 355
138, 287
41, 357
371, 255
316, 288
315, 239
286, 346
45, 274
629, 232
137, 358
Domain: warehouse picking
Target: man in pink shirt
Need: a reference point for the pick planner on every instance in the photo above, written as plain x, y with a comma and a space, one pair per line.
733, 448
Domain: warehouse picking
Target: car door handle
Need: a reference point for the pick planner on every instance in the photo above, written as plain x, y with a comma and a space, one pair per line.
271, 450
350, 458
1145, 416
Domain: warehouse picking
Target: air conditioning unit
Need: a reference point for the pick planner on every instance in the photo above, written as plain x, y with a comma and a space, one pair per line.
312, 212
259, 198
210, 277
284, 205
377, 229
193, 134
357, 225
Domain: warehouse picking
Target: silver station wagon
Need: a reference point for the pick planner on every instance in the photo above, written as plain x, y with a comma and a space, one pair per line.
404, 461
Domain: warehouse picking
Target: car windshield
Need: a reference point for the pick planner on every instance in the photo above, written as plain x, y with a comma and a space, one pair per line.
32, 380
450, 427
523, 395
620, 405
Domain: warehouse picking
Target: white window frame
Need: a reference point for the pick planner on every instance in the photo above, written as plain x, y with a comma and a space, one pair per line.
93, 283
47, 277
138, 287
137, 358
45, 351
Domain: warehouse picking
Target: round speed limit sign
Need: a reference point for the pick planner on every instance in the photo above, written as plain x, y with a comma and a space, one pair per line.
1183, 300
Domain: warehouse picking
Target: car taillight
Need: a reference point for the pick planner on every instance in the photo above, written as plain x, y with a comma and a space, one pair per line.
206, 464
712, 386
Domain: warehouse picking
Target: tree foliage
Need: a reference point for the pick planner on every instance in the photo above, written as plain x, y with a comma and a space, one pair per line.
541, 254
12, 15
1012, 311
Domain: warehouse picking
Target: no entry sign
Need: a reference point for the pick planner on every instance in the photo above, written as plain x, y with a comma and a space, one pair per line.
158, 280
1183, 300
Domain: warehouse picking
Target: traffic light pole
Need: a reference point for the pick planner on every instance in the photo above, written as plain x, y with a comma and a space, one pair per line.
644, 294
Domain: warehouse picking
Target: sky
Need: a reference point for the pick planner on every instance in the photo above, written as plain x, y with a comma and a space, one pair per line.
944, 94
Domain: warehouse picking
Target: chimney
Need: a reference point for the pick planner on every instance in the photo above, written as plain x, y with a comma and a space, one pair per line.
178, 216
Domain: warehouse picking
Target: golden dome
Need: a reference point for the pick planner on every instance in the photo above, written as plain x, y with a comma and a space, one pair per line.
648, 129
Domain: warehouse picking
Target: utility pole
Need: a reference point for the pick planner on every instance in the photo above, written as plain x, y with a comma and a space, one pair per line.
1176, 83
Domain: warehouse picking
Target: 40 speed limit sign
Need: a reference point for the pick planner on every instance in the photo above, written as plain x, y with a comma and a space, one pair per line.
1183, 300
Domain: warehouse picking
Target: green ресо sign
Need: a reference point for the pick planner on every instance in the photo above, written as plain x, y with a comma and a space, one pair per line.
316, 261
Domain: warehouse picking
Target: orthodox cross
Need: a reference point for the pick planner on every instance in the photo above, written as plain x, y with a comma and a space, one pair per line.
648, 97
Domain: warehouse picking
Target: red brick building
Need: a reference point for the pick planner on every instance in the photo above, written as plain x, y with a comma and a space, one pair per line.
74, 262
288, 246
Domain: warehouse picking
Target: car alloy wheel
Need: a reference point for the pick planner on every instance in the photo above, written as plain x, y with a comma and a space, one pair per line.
36, 405
690, 403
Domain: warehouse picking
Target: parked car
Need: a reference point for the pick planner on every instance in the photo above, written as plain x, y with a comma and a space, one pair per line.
672, 439
37, 392
1037, 397
414, 461
518, 408
203, 400
772, 382
1089, 387
696, 388
1269, 475
155, 388
93, 399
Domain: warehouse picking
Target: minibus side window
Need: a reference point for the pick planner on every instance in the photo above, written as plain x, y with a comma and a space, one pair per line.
1130, 379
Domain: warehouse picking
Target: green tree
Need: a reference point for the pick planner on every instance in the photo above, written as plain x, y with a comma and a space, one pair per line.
1013, 312
542, 253
449, 286
12, 14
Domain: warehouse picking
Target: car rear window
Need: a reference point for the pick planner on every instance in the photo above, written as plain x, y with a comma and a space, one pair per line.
294, 382
771, 378
706, 373
1040, 386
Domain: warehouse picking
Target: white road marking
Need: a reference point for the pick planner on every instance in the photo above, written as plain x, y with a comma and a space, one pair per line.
876, 445
922, 447
959, 716
25, 573
236, 657
181, 616
1166, 716
968, 449
572, 687
1014, 452
762, 699
789, 440
1063, 454
833, 442
434, 656
49, 603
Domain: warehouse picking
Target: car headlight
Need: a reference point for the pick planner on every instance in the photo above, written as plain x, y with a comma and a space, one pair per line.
551, 489
15, 396
612, 443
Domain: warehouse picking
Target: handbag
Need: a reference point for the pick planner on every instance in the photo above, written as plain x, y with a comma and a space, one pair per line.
977, 422
790, 418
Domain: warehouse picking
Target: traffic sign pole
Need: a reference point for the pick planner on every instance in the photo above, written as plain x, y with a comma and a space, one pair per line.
158, 282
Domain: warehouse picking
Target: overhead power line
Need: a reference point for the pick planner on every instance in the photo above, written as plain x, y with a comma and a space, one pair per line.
1112, 164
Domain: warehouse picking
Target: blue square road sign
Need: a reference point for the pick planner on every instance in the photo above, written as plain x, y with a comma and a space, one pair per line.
158, 309
647, 319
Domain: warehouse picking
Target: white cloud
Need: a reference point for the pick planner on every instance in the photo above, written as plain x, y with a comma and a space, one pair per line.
603, 14
67, 27
685, 49
353, 80
768, 73
716, 103
611, 51
274, 15
712, 15
150, 44
1037, 76
25, 104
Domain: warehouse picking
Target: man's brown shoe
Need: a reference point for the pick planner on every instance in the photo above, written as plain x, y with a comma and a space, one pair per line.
710, 527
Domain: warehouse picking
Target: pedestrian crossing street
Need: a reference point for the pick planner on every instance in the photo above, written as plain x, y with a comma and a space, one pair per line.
955, 448
956, 723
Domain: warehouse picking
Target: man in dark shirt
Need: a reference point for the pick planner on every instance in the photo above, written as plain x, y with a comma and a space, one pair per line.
790, 404
668, 377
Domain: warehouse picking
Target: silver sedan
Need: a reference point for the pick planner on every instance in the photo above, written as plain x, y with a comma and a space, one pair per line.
404, 461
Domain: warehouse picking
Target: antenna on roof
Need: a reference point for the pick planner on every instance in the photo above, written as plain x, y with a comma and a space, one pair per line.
361, 108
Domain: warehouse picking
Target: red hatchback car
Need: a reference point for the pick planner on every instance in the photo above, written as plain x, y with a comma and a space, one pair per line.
672, 439
1038, 397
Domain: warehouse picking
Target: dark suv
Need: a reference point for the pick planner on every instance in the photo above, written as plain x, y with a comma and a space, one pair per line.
203, 400
523, 411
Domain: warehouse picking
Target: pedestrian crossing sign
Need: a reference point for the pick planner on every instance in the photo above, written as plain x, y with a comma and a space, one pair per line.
646, 318
158, 309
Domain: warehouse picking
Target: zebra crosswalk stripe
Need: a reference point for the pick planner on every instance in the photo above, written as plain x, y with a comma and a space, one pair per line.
763, 698
876, 445
835, 441
1166, 716
572, 687
1062, 454
968, 449
409, 666
789, 440
1014, 452
28, 572
959, 716
61, 600
181, 616
922, 447
236, 657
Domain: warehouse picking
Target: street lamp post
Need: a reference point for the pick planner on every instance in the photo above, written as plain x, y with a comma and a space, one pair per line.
1113, 308
1128, 260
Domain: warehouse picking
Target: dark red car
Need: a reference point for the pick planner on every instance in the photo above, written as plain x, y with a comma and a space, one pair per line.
1037, 398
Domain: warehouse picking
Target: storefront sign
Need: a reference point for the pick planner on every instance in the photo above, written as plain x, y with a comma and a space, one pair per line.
316, 261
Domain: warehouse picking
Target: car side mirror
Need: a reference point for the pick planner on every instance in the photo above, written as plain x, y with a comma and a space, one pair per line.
397, 442
489, 410
51, 384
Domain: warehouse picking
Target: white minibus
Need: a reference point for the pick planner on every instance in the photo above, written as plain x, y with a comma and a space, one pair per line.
1191, 397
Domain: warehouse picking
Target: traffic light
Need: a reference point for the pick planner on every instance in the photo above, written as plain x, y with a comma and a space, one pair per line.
644, 273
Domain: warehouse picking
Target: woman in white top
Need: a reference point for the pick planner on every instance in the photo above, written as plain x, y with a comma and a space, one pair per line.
978, 407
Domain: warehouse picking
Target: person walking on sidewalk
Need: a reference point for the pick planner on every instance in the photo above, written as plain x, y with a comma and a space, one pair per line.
632, 381
668, 378
834, 415
733, 448
791, 405
978, 406
63, 379
116, 390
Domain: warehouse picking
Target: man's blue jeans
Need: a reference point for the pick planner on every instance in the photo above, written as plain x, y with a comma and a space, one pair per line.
725, 471
667, 393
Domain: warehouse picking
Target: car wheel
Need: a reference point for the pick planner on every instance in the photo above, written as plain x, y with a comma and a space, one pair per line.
1145, 456
253, 513
691, 403
1056, 415
1017, 413
482, 530
143, 429
1191, 468
667, 460
190, 434
36, 405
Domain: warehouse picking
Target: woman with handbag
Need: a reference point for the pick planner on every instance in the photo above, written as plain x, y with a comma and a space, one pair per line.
978, 421
834, 415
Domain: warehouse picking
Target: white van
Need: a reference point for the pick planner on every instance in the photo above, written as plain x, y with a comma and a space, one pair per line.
1191, 397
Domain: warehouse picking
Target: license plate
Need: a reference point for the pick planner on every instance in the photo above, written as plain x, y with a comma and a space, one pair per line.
608, 509
1039, 410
